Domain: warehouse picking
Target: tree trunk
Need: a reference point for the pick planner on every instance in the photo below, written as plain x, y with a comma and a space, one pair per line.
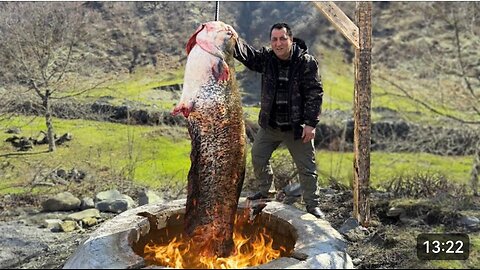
48, 119
475, 170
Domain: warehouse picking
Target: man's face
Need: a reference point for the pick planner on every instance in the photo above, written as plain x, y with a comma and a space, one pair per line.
281, 43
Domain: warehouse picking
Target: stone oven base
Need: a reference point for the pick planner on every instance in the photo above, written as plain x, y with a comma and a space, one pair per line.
317, 244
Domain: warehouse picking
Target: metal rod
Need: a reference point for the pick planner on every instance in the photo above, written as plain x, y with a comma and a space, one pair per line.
217, 10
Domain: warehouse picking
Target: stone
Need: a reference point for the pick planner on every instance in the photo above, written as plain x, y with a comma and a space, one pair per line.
348, 225
114, 206
293, 190
52, 224
62, 173
88, 213
89, 222
395, 212
64, 201
13, 130
357, 261
113, 201
64, 138
68, 225
41, 138
108, 195
87, 203
470, 222
148, 196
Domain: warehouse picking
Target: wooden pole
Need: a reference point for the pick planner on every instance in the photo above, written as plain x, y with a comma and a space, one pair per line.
339, 20
362, 107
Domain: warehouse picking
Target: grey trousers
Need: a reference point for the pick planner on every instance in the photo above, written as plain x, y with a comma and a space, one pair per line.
303, 154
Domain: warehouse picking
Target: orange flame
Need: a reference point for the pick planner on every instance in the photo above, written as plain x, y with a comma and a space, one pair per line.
248, 251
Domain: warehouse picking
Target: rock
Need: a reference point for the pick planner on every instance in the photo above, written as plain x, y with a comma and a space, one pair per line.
64, 201
68, 225
64, 138
87, 203
395, 212
352, 230
41, 138
148, 196
76, 175
293, 190
89, 221
131, 203
357, 234
356, 261
13, 130
114, 206
108, 195
62, 173
113, 201
89, 213
348, 225
469, 222
23, 143
52, 224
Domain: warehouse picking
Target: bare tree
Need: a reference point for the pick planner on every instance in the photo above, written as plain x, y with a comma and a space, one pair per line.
44, 47
448, 63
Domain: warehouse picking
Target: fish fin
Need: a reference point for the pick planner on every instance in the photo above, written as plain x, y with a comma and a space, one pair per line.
193, 39
183, 108
221, 71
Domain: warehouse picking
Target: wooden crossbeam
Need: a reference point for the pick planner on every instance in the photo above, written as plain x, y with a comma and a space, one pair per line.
340, 21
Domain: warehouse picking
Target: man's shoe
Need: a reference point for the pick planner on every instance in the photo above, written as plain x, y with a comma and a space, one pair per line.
316, 212
257, 196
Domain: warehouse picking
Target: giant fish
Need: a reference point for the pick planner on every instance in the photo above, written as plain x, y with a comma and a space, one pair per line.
211, 103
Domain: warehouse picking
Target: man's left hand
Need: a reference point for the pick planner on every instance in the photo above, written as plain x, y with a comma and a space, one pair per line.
308, 134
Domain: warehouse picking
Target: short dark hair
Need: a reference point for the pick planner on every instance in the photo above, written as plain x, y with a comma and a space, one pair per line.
279, 26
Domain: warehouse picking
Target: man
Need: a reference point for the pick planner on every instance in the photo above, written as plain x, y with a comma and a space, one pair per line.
291, 102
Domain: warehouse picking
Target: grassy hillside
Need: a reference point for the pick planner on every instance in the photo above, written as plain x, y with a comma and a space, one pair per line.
159, 156
108, 152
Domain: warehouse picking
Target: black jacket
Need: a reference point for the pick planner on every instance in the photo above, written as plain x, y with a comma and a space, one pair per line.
305, 88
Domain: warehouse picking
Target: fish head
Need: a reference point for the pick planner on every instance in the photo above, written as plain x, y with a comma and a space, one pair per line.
215, 37
211, 43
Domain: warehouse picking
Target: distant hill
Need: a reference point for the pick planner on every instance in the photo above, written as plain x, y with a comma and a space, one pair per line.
154, 34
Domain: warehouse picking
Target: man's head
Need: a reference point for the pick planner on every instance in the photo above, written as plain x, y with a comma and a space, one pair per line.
281, 40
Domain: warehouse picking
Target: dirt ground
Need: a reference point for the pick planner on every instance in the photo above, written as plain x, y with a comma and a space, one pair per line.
388, 242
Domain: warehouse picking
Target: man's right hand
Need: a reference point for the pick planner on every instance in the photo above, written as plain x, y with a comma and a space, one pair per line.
308, 133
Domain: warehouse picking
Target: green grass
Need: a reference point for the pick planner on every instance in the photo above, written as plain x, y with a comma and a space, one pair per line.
154, 156
384, 166
140, 87
109, 150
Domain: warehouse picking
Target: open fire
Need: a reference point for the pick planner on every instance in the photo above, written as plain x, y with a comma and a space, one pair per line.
253, 245
308, 243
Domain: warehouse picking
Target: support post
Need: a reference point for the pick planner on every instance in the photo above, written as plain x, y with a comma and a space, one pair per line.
362, 108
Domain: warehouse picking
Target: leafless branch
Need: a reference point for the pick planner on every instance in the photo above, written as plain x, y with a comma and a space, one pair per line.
426, 105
